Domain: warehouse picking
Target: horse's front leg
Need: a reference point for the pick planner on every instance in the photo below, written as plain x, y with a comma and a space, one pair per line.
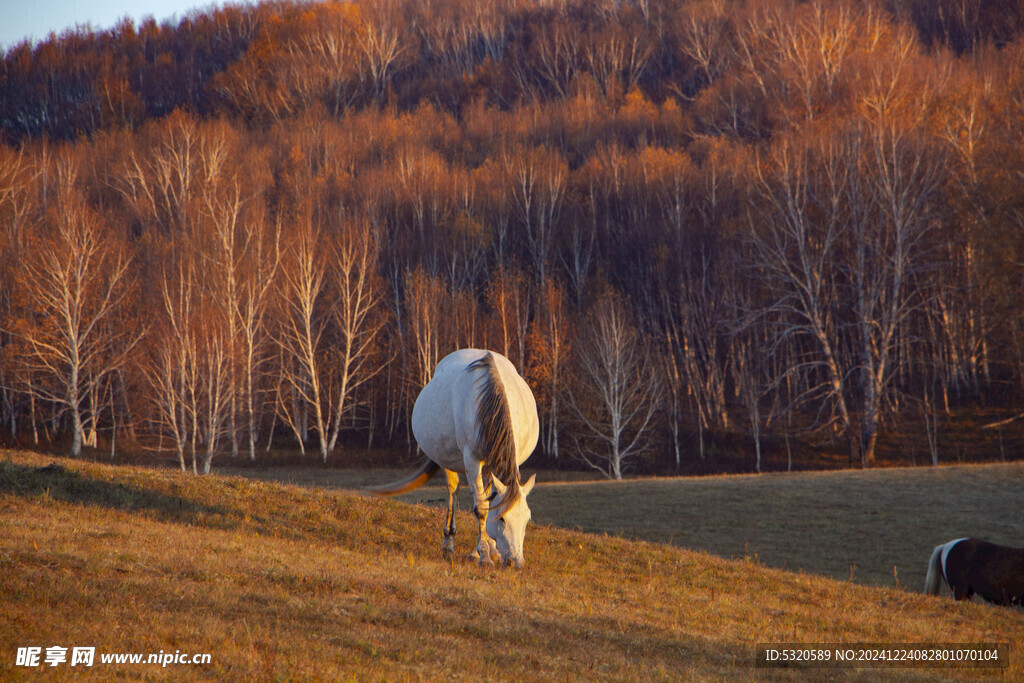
486, 551
448, 545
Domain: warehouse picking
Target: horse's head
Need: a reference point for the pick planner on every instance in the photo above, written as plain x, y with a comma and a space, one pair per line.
507, 524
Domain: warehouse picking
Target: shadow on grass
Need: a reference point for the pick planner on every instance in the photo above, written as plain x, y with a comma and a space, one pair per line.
59, 483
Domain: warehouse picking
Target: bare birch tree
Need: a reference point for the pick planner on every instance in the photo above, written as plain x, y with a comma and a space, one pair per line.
538, 182
215, 385
303, 328
618, 392
890, 254
381, 46
171, 366
251, 309
75, 277
797, 248
553, 341
424, 305
617, 58
18, 175
357, 317
842, 247
508, 297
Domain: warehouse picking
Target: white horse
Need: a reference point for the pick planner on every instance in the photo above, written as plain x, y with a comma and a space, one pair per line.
478, 416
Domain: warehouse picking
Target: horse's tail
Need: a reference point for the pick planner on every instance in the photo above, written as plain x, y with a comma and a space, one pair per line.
934, 579
417, 479
496, 440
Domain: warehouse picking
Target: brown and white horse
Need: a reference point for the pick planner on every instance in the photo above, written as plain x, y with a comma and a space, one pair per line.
478, 416
970, 565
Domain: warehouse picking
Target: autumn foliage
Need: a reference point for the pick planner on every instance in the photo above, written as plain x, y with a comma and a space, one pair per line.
270, 222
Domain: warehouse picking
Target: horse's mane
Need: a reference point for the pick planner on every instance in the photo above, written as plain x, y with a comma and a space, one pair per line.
497, 442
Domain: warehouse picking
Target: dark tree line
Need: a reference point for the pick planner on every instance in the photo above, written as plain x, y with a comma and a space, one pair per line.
687, 223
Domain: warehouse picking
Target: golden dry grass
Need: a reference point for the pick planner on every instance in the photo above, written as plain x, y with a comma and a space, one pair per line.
282, 582
876, 527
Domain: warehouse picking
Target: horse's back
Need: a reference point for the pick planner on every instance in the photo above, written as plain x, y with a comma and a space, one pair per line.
1000, 574
993, 571
433, 414
444, 417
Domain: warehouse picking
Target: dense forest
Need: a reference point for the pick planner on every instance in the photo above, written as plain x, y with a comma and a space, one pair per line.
703, 230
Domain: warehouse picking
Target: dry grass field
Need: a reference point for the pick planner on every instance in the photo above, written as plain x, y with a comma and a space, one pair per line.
871, 526
294, 583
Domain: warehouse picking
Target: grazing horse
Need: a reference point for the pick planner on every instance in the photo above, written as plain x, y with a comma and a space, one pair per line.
478, 416
970, 565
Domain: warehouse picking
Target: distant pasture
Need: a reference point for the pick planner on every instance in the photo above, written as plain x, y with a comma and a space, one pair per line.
875, 527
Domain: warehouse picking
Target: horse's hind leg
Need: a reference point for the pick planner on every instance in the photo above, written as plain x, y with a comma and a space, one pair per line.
448, 545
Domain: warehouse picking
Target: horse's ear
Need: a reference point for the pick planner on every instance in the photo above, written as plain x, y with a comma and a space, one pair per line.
528, 486
498, 486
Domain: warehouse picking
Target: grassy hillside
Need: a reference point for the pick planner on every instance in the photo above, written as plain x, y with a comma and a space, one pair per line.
872, 526
284, 582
